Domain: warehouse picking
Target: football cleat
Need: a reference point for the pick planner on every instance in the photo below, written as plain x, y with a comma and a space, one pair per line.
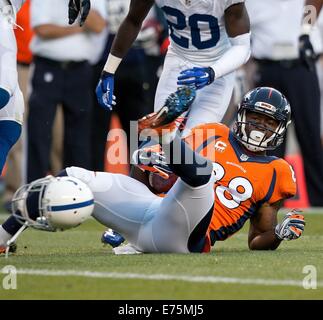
112, 238
175, 105
152, 159
12, 248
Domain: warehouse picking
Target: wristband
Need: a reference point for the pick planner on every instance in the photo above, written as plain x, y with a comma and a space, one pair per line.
306, 29
112, 64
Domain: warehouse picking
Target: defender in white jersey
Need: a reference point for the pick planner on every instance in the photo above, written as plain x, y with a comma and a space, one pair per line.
11, 99
208, 40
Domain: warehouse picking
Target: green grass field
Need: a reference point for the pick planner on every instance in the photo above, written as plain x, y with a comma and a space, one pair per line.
75, 265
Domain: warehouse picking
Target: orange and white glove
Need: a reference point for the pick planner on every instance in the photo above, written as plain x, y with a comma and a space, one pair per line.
291, 227
152, 159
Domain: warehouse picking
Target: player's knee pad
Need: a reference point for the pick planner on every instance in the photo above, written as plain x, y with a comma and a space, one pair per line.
4, 97
9, 134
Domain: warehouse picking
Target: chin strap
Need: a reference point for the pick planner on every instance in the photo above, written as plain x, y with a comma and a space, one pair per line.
13, 239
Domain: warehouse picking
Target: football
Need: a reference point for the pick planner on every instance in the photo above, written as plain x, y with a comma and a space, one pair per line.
159, 184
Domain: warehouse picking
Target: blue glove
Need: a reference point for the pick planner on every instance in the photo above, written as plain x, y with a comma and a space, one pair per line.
104, 91
78, 8
199, 77
112, 238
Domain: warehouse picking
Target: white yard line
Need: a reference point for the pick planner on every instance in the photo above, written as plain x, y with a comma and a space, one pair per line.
162, 277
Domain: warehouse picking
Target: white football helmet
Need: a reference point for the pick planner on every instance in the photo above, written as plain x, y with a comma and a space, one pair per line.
53, 203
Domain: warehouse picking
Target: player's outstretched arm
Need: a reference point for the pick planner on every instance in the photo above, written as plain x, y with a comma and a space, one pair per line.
266, 233
125, 37
130, 27
262, 228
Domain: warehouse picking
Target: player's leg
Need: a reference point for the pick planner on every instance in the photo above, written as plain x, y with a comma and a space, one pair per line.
181, 220
10, 124
210, 103
167, 83
11, 109
161, 127
121, 203
8, 61
9, 134
10, 130
186, 212
4, 97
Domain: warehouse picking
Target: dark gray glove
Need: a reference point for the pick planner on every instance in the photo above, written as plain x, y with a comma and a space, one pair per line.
78, 8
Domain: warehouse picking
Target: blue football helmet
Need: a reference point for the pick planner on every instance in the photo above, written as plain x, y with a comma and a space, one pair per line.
271, 103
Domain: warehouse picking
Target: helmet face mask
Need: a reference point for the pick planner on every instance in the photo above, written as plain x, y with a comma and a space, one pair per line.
53, 203
268, 103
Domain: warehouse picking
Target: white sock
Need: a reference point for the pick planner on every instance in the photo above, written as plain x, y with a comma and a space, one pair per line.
4, 236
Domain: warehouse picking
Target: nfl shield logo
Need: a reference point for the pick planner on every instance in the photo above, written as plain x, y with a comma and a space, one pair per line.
244, 157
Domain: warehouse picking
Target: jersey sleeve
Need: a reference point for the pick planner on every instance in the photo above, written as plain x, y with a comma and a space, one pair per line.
229, 3
285, 186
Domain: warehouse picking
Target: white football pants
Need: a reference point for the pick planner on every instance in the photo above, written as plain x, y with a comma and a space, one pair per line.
150, 223
211, 101
8, 72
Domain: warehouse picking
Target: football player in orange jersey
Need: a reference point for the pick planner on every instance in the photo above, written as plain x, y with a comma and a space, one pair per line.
248, 184
225, 181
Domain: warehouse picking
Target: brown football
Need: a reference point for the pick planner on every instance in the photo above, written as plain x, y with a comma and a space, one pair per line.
161, 185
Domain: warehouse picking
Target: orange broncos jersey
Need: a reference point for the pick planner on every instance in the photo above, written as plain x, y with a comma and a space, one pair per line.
244, 181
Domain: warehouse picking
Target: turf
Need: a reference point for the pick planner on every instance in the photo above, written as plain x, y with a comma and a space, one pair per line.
80, 250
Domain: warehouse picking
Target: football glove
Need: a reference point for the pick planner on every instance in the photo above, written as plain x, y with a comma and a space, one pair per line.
113, 238
104, 91
199, 77
306, 52
291, 227
152, 159
78, 8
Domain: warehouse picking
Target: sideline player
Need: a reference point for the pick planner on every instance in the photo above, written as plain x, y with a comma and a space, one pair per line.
208, 41
213, 196
11, 99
